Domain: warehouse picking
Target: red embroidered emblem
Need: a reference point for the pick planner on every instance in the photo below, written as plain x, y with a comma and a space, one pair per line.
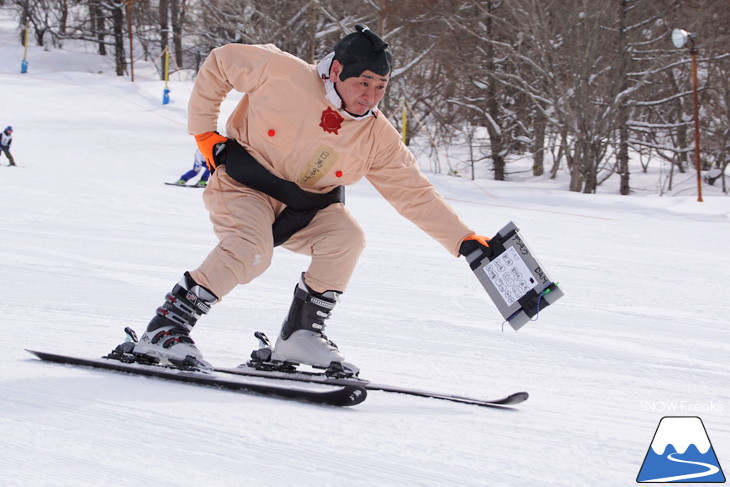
331, 121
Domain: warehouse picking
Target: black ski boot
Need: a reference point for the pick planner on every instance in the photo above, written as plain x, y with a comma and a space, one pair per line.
168, 334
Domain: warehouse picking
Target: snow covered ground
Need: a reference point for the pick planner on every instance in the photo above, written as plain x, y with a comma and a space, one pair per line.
91, 240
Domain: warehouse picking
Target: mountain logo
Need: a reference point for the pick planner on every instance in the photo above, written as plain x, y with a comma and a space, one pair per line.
681, 452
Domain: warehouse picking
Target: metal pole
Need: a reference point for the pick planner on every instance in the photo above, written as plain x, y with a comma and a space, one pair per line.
24, 62
25, 41
166, 91
693, 52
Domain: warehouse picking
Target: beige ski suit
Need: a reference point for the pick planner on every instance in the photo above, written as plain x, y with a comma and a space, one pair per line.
286, 122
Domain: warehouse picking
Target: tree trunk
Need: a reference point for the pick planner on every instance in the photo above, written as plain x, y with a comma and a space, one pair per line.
623, 157
96, 19
493, 128
623, 115
562, 150
591, 161
177, 15
538, 145
576, 163
681, 159
118, 29
63, 17
164, 17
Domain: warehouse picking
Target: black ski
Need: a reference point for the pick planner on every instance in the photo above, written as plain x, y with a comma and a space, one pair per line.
338, 395
321, 378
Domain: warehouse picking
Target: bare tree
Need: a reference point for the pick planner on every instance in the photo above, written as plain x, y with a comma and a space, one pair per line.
594, 85
97, 25
117, 17
475, 45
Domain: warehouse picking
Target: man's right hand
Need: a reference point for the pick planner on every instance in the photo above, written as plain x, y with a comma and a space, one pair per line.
207, 142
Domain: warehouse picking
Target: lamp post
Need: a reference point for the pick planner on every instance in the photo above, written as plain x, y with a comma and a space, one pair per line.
681, 38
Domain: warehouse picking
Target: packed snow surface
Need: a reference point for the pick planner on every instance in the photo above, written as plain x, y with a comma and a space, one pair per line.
92, 240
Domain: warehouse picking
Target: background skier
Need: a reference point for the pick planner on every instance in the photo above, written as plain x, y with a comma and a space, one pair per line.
198, 165
6, 138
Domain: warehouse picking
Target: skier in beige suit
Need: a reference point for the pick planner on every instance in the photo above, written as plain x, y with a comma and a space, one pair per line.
300, 134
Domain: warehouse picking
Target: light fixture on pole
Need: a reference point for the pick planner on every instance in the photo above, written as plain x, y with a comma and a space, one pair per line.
681, 38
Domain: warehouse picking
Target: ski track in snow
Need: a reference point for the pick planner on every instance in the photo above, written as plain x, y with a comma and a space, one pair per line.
92, 240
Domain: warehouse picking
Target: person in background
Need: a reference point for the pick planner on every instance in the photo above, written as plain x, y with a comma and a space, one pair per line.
198, 165
6, 138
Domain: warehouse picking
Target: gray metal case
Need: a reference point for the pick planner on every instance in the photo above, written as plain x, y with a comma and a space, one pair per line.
513, 278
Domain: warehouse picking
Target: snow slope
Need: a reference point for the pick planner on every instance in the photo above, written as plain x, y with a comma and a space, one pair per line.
91, 240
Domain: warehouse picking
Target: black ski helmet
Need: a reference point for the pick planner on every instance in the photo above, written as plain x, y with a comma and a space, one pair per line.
363, 50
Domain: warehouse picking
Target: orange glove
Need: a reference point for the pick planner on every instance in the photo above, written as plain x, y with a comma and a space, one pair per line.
208, 146
472, 243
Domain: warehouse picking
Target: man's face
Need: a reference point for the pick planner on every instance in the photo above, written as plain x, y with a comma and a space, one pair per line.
360, 94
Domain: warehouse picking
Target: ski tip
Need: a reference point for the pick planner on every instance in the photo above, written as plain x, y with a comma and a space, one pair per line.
352, 395
49, 357
516, 398
37, 354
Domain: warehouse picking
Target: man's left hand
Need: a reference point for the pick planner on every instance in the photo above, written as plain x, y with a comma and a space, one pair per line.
207, 142
472, 243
